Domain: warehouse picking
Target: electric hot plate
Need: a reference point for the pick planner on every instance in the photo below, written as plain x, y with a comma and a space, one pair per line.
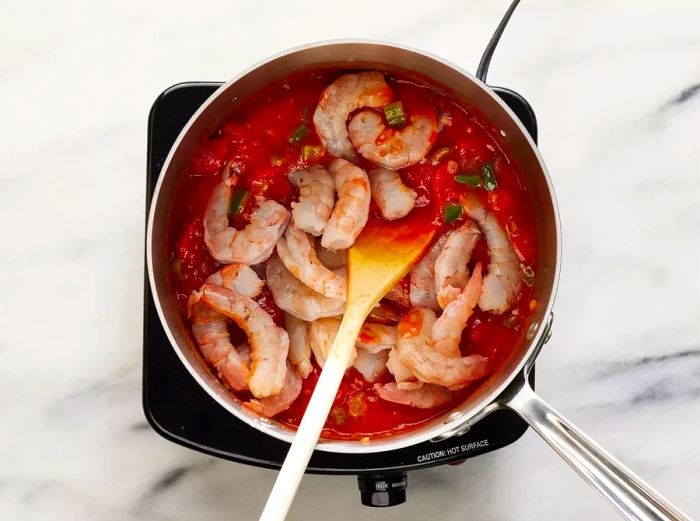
182, 412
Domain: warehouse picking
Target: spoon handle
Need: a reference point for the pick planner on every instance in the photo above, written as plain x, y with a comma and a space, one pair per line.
307, 435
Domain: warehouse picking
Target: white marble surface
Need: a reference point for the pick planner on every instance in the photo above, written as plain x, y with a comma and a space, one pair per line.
76, 83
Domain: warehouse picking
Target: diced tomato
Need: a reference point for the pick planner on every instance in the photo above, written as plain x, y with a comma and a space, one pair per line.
210, 157
267, 302
267, 182
195, 262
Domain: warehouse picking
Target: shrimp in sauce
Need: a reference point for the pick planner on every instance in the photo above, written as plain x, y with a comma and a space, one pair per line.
393, 198
294, 297
373, 339
351, 209
275, 404
342, 97
504, 278
210, 328
299, 349
321, 336
331, 259
269, 343
427, 396
402, 374
371, 366
451, 264
439, 361
297, 251
316, 199
422, 289
255, 242
392, 149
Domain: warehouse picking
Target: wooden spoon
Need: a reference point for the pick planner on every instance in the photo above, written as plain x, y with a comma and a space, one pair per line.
381, 256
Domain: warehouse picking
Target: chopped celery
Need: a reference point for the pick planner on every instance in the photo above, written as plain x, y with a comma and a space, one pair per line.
238, 201
489, 177
452, 212
466, 179
299, 134
395, 116
310, 152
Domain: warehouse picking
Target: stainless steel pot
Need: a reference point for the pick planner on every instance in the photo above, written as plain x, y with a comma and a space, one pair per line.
508, 387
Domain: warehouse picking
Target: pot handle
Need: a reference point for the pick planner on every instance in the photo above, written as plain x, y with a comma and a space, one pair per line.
628, 494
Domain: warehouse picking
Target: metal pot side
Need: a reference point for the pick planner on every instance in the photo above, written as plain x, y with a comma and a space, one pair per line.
389, 57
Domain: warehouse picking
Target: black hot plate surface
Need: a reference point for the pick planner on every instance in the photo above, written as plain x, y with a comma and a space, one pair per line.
180, 411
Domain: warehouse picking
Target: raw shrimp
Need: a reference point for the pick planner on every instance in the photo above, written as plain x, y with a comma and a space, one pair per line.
275, 404
371, 366
352, 207
331, 259
316, 199
299, 350
504, 278
210, 328
269, 342
447, 330
427, 396
279, 402
438, 361
422, 293
239, 278
345, 95
394, 199
393, 149
255, 242
374, 338
402, 374
296, 250
292, 296
451, 264
321, 335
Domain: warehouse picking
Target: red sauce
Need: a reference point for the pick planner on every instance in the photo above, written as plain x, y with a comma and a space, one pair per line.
255, 143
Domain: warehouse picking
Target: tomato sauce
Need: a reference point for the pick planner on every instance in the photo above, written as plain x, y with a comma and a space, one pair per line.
272, 135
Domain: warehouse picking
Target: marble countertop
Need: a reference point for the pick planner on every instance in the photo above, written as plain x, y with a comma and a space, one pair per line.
616, 87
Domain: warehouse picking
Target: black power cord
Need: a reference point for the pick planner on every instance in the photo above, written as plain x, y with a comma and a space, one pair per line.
483, 68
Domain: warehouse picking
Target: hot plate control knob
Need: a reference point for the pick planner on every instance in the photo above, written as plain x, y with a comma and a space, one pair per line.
384, 489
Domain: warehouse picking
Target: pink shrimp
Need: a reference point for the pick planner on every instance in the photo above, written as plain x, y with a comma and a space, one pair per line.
451, 264
427, 396
269, 343
345, 95
504, 278
439, 361
210, 328
392, 149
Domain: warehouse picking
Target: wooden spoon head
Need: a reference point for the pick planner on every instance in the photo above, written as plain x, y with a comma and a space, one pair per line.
384, 253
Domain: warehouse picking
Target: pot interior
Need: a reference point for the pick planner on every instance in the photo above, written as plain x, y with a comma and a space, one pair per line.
348, 55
